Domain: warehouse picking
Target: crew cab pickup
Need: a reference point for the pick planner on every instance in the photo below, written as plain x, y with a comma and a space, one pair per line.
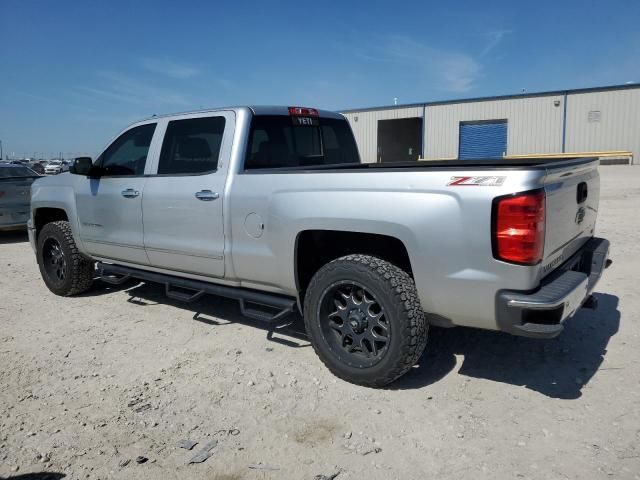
272, 206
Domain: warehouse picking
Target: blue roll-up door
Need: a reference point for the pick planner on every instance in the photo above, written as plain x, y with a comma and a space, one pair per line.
480, 140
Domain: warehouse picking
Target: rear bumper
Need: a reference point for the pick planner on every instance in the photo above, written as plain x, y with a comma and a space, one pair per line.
541, 313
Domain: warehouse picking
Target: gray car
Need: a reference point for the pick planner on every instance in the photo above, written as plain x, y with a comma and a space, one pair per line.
15, 186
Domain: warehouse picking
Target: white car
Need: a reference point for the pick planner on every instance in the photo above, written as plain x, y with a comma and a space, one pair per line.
53, 167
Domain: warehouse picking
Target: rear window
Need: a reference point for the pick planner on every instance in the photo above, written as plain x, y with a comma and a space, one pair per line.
278, 141
16, 172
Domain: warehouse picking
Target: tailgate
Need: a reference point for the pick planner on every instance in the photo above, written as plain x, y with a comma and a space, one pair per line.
572, 195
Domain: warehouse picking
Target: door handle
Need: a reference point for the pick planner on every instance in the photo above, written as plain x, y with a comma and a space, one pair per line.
130, 193
207, 195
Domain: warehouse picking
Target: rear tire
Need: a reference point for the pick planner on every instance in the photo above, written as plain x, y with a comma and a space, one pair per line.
365, 320
64, 269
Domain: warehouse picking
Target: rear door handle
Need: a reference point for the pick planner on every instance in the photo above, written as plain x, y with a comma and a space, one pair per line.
130, 193
207, 195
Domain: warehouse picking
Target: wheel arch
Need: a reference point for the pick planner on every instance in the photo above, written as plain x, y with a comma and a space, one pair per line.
44, 215
315, 248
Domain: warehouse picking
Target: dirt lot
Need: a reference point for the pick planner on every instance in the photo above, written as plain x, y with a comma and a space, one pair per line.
89, 384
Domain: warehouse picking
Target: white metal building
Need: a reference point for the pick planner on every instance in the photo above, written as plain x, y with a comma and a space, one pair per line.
603, 119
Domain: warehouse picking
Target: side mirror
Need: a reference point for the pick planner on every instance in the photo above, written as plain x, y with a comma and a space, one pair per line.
81, 166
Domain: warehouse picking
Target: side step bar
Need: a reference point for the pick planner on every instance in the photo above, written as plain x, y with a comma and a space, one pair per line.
114, 279
195, 289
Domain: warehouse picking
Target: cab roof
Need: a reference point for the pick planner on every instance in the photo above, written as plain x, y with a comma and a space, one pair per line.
255, 110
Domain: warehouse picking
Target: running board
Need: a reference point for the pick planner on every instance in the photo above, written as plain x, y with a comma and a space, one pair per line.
261, 315
114, 280
192, 290
181, 296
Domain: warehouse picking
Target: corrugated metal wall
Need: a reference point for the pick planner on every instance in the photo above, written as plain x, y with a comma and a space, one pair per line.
595, 121
534, 125
366, 128
600, 121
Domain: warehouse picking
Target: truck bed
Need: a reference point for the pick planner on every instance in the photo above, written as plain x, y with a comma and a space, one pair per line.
489, 164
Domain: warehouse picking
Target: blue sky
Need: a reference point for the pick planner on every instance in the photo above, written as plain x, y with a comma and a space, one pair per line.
72, 74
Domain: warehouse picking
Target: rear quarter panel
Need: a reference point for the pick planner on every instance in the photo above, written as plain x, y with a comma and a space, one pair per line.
445, 229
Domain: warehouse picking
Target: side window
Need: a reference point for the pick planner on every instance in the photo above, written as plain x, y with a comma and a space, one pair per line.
191, 146
127, 155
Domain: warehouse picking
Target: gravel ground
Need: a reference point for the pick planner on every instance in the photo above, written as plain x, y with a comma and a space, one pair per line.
90, 386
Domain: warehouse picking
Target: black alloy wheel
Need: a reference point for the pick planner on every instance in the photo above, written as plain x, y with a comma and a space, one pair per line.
54, 261
364, 319
355, 322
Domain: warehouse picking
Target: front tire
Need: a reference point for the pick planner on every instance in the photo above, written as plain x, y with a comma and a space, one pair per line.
365, 320
64, 269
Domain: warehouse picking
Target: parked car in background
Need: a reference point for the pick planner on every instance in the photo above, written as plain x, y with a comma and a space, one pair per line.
54, 167
38, 166
15, 191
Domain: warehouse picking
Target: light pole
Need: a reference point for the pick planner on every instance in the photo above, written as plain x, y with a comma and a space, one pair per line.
0, 150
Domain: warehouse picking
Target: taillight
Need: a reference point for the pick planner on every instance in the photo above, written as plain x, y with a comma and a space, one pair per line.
303, 111
518, 225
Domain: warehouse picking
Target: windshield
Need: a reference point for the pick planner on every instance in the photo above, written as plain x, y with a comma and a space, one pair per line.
16, 172
278, 141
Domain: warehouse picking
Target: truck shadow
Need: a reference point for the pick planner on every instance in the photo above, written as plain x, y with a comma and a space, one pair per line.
13, 236
557, 368
216, 311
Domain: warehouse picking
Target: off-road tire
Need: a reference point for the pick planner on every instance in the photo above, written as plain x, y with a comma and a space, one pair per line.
79, 269
396, 291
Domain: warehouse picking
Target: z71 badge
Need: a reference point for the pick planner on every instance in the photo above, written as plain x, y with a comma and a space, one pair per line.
476, 181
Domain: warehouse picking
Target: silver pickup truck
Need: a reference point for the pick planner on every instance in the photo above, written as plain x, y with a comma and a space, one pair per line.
271, 206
